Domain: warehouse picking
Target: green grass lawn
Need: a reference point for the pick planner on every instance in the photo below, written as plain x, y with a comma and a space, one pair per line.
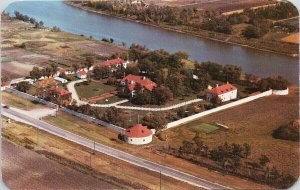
85, 90
110, 100
204, 127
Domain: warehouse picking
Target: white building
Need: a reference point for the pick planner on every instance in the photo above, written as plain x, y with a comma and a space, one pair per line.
81, 75
62, 80
225, 92
138, 135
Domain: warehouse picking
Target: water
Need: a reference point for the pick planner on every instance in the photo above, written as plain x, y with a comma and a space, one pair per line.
78, 21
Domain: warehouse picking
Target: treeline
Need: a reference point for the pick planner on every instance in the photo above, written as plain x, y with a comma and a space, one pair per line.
259, 19
233, 159
31, 20
165, 14
201, 20
36, 72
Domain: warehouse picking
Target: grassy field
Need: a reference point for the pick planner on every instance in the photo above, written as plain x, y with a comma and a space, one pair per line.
203, 127
103, 167
253, 123
149, 152
93, 89
18, 102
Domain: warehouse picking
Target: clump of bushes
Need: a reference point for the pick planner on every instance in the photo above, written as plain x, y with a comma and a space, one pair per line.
288, 132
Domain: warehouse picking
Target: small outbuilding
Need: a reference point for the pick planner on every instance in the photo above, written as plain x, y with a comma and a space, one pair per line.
81, 75
138, 135
62, 80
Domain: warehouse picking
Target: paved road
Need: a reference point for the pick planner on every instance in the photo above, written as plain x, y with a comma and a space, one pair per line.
176, 174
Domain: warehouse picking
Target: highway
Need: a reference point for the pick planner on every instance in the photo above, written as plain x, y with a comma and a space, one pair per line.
176, 174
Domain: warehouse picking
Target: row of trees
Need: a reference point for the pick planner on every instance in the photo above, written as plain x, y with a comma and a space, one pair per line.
235, 159
31, 20
37, 72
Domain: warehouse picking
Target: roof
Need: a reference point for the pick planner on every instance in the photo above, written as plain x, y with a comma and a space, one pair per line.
5, 83
143, 81
112, 62
60, 79
222, 89
138, 131
46, 83
82, 73
60, 91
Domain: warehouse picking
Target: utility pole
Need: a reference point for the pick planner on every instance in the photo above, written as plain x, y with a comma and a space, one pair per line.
160, 180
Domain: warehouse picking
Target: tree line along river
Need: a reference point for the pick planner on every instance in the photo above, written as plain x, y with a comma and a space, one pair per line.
77, 21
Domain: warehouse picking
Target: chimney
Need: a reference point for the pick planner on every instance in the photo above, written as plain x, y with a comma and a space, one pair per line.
217, 85
227, 82
144, 78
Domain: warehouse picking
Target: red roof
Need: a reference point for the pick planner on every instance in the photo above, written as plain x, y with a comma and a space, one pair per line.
82, 73
222, 89
138, 131
143, 81
5, 83
112, 62
60, 91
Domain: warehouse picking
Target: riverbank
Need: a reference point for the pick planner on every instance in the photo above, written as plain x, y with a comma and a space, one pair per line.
257, 44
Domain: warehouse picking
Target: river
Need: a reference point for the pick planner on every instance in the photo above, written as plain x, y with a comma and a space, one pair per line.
78, 21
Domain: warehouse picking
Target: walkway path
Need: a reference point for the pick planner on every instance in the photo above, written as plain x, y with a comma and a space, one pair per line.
75, 96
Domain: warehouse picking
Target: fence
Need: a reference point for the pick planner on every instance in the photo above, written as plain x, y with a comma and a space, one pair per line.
71, 112
220, 108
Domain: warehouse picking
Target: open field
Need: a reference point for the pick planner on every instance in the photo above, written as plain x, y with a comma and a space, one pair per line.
293, 38
253, 123
19, 102
24, 47
103, 167
150, 152
25, 168
88, 90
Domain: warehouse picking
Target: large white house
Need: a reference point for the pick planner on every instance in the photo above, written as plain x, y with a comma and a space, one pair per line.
225, 92
138, 135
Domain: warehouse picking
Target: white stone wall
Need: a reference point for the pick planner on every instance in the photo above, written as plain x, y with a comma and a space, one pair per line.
220, 108
281, 92
138, 141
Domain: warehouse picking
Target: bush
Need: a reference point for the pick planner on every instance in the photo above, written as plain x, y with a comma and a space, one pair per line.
287, 132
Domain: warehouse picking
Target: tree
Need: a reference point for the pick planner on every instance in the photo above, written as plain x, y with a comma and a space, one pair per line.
89, 61
36, 73
141, 97
75, 67
112, 115
101, 72
251, 32
216, 100
263, 160
161, 95
23, 86
155, 121
231, 73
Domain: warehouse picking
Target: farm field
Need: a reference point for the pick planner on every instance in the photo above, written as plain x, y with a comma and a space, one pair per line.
113, 171
25, 168
249, 123
24, 47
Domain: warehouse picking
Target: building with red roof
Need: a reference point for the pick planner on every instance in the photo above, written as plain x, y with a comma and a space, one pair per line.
4, 85
59, 96
131, 80
113, 64
81, 74
138, 135
225, 92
